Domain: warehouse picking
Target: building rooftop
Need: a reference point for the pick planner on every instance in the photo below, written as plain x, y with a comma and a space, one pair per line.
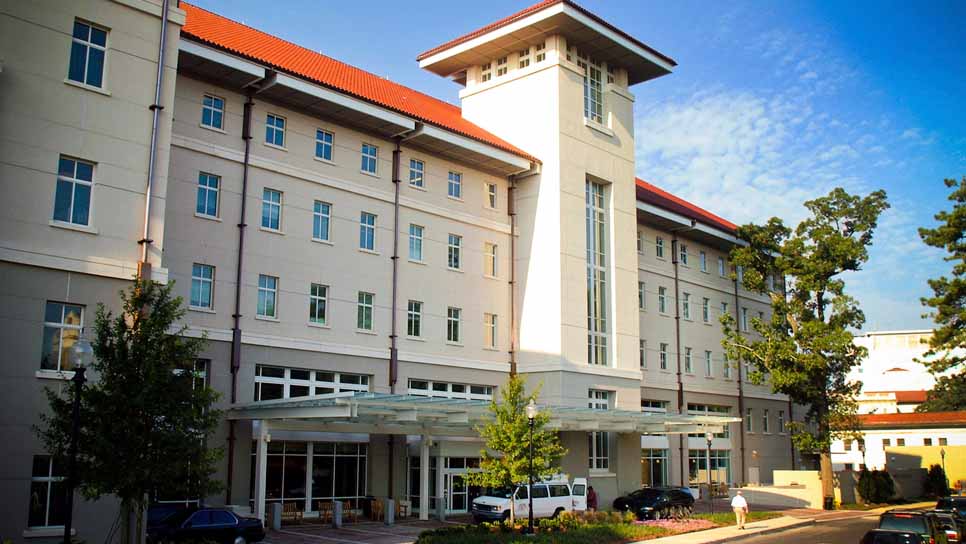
913, 420
223, 33
652, 194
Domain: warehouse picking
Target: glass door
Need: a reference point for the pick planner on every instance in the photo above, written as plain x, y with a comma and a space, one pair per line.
456, 492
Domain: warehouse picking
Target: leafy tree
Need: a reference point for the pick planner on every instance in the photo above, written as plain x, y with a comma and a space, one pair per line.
806, 348
508, 435
145, 415
948, 305
935, 483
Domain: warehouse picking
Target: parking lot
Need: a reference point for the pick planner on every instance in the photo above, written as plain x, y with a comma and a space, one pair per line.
402, 532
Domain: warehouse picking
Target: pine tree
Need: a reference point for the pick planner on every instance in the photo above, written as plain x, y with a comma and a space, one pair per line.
948, 305
505, 461
145, 414
806, 349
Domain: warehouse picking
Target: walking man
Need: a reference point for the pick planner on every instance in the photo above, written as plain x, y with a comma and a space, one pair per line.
740, 506
591, 499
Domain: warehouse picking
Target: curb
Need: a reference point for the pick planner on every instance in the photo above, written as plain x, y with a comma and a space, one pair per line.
738, 536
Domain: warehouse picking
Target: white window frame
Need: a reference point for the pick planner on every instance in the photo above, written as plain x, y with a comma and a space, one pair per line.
266, 289
598, 446
321, 145
640, 242
490, 194
454, 185
541, 52
321, 221
662, 300
708, 364
654, 406
642, 353
749, 420
688, 360
416, 242
365, 319
489, 331
486, 73
454, 325
454, 252
523, 58
417, 173
75, 182
204, 188
683, 254
663, 355
367, 231
414, 319
49, 480
765, 427
744, 319
501, 66
659, 247
87, 54
706, 310
369, 164
781, 422
213, 109
61, 326
703, 261
269, 204
722, 270
490, 269
434, 388
641, 295
593, 91
273, 129
686, 305
314, 382
726, 367
201, 281
595, 228
319, 296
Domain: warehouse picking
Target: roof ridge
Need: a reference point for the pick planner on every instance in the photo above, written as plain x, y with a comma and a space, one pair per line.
709, 215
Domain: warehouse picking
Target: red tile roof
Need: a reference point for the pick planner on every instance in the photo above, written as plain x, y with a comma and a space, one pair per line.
915, 419
242, 40
911, 396
533, 9
652, 194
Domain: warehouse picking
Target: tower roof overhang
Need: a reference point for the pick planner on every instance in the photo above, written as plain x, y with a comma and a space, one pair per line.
588, 32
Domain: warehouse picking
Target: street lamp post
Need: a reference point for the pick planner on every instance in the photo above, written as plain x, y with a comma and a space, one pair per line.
81, 355
531, 415
942, 457
708, 436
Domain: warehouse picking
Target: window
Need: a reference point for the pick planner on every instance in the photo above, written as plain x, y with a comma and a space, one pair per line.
454, 248
740, 273
655, 406
501, 66
213, 112
541, 50
927, 441
662, 299
708, 365
765, 427
706, 310
490, 195
72, 199
524, 58
770, 281
275, 130
207, 201
63, 324
701, 462
744, 319
271, 209
428, 388
267, 296
654, 467
417, 173
640, 242
489, 259
662, 356
726, 367
761, 316
321, 215
48, 493
724, 308
749, 423
593, 95
683, 251
886, 442
943, 441
598, 442
610, 74
323, 144
489, 331
88, 49
454, 185
642, 353
709, 410
847, 444
721, 267
595, 227
367, 231
414, 319
453, 324
485, 73
275, 382
659, 247
900, 442
370, 154
364, 311
703, 261
688, 362
861, 443
415, 243
686, 305
318, 303
202, 286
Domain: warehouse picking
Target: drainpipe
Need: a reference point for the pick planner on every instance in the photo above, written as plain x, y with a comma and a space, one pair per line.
144, 267
677, 341
741, 389
512, 212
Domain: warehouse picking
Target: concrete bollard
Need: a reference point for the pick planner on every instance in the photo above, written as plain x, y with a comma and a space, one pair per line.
390, 513
277, 516
337, 514
441, 508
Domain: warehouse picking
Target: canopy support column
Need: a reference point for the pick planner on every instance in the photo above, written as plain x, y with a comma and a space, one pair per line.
424, 477
261, 466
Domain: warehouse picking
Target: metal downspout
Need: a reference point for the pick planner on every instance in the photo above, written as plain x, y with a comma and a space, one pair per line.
236, 315
675, 256
144, 267
512, 212
741, 390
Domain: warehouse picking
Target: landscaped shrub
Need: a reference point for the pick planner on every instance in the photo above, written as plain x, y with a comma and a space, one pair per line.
934, 484
875, 486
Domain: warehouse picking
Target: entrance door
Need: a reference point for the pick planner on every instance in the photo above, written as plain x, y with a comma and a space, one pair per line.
457, 494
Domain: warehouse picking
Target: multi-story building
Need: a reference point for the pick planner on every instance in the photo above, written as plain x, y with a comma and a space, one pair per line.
893, 379
370, 263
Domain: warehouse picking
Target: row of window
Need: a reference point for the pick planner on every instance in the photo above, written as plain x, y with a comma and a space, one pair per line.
213, 116
900, 442
664, 299
536, 53
664, 353
765, 421
684, 259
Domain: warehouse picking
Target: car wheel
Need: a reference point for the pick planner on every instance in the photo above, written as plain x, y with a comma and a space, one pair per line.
506, 516
689, 511
240, 540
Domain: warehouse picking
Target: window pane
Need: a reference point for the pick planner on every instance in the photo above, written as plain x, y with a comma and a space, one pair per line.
37, 514
270, 391
95, 66
98, 36
82, 204
58, 503
322, 468
345, 476
294, 484
62, 199
78, 57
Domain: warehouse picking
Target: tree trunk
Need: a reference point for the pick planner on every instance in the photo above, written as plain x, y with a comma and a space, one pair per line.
828, 477
513, 510
126, 523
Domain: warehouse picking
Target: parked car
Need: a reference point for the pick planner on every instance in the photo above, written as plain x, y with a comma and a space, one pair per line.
949, 524
953, 504
923, 523
656, 503
207, 524
550, 498
880, 536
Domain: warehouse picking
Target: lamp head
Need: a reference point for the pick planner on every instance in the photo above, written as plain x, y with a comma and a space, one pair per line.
531, 410
708, 435
81, 353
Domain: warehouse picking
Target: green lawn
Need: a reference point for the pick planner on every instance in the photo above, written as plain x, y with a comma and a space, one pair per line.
722, 519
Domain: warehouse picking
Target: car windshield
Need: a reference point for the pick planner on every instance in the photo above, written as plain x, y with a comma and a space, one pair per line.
904, 522
502, 492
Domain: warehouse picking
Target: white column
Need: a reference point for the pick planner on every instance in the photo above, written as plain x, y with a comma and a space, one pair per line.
261, 466
308, 476
441, 497
424, 477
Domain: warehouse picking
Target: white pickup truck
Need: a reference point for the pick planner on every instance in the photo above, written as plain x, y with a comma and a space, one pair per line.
550, 498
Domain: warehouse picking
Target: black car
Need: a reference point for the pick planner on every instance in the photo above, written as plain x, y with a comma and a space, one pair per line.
206, 524
656, 503
880, 536
949, 523
925, 524
953, 504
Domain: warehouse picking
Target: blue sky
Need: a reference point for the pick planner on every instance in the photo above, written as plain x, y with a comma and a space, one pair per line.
772, 103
